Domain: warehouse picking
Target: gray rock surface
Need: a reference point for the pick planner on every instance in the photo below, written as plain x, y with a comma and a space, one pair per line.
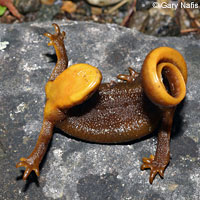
77, 170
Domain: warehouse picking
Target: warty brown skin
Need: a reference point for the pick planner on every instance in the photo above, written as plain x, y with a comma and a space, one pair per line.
116, 112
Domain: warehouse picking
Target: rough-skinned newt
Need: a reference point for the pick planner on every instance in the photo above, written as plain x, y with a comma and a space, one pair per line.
80, 105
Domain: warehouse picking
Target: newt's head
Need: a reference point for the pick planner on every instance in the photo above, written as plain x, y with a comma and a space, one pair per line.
73, 86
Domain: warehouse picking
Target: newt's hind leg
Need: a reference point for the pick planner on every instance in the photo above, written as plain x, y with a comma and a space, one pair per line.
129, 78
159, 162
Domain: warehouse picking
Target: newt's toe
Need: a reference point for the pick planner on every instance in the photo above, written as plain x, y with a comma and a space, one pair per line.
29, 167
155, 166
129, 78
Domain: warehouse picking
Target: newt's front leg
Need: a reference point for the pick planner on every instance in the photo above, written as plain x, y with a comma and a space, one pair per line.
57, 40
65, 89
32, 162
52, 113
159, 162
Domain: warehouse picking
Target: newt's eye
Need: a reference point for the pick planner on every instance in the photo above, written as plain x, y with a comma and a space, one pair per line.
73, 85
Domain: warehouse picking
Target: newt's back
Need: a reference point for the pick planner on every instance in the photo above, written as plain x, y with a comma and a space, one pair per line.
117, 112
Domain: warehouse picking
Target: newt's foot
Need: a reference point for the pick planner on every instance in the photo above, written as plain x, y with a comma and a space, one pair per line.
58, 36
155, 166
129, 78
30, 165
